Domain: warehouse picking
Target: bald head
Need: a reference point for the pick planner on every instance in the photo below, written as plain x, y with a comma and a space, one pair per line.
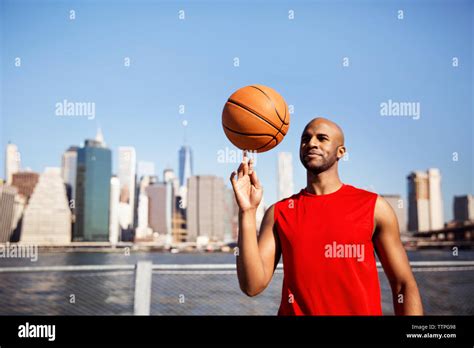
329, 126
322, 145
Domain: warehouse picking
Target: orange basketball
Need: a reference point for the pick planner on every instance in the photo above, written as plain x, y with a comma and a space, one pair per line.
255, 118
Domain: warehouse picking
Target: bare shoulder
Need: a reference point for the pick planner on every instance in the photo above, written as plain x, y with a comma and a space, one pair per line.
384, 215
268, 218
382, 207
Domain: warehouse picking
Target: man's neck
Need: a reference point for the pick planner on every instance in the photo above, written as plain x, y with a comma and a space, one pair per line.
323, 183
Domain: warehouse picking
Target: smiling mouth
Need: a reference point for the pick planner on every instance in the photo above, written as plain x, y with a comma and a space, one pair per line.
312, 155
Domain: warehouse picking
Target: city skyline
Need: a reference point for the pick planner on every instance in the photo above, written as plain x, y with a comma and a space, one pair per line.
424, 194
283, 159
148, 86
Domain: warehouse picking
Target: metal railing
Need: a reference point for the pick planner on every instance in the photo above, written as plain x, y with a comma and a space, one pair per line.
447, 287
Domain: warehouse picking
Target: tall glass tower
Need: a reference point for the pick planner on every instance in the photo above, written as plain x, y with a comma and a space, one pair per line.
185, 164
68, 170
94, 170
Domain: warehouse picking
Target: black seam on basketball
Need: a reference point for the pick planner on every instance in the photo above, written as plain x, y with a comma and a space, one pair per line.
250, 134
245, 107
259, 134
274, 137
279, 132
273, 104
281, 127
283, 124
258, 148
271, 101
267, 144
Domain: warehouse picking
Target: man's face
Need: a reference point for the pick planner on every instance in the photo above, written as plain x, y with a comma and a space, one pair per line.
321, 146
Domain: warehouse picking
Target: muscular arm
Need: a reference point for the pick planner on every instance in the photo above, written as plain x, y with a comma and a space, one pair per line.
392, 255
258, 256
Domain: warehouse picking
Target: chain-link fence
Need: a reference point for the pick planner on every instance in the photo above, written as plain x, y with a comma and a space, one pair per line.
62, 291
210, 292
446, 288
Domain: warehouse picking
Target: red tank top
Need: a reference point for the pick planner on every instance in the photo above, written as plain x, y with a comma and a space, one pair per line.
328, 256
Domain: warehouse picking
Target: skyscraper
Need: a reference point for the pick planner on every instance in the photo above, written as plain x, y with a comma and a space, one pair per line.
160, 210
114, 227
418, 202
185, 164
185, 172
94, 170
178, 205
25, 182
18, 209
170, 176
285, 175
127, 178
47, 217
7, 211
425, 204
231, 216
68, 170
178, 223
436, 199
464, 208
206, 208
143, 230
12, 162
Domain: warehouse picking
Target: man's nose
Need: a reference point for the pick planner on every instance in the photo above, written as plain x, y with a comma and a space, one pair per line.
313, 142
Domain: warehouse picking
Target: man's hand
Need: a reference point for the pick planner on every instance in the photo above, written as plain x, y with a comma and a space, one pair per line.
258, 256
247, 189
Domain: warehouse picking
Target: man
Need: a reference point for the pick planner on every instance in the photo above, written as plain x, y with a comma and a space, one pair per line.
327, 234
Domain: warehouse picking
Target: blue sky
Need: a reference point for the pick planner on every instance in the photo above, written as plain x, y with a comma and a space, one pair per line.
190, 62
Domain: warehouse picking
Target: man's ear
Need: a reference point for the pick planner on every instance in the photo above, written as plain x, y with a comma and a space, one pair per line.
341, 150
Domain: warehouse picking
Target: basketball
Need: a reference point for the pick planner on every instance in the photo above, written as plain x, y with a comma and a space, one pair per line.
255, 118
